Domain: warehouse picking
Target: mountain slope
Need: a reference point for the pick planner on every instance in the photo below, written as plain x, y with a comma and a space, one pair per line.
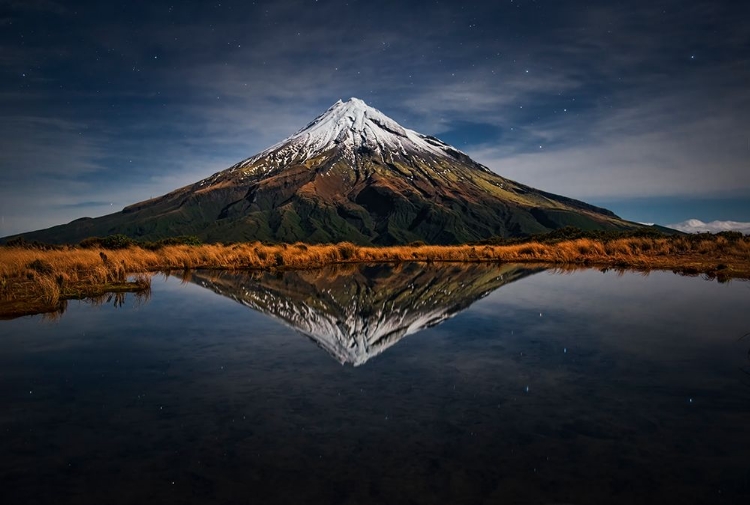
355, 313
352, 174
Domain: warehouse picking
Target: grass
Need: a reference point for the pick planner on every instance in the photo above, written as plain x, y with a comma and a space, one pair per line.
34, 281
34, 276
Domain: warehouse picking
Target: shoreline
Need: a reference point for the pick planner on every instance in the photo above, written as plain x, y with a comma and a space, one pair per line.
34, 280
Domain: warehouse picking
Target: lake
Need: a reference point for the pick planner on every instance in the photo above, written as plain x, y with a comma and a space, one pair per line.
384, 384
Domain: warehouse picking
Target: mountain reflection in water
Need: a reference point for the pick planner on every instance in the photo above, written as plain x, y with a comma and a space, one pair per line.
582, 388
356, 312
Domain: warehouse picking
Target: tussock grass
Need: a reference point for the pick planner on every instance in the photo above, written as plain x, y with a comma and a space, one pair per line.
96, 266
60, 273
36, 280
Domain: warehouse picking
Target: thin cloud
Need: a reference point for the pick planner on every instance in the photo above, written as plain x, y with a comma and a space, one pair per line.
83, 205
682, 144
48, 146
698, 226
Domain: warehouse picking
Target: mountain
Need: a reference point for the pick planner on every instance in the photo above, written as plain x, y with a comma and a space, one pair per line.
357, 312
353, 174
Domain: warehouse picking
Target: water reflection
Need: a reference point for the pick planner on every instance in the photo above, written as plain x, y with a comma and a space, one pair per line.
54, 313
582, 388
746, 368
355, 312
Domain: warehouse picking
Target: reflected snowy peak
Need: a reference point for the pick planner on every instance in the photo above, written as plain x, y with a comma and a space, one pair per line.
356, 312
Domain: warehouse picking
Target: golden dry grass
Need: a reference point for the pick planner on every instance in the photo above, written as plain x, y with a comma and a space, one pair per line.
53, 275
34, 281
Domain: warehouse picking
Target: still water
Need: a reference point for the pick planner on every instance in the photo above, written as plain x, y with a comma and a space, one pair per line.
383, 384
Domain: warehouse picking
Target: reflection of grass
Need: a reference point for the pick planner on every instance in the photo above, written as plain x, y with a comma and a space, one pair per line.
48, 276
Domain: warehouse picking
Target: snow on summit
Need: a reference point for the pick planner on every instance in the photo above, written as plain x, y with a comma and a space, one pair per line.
354, 126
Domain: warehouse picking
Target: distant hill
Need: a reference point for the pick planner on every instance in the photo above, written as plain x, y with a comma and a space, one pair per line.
353, 174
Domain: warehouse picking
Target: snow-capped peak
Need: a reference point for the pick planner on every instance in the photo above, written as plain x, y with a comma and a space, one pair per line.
353, 121
354, 316
354, 126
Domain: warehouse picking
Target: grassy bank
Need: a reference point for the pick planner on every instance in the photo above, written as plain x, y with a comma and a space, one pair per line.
34, 280
45, 276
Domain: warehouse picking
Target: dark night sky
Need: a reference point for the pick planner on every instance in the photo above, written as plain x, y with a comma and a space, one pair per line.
640, 106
